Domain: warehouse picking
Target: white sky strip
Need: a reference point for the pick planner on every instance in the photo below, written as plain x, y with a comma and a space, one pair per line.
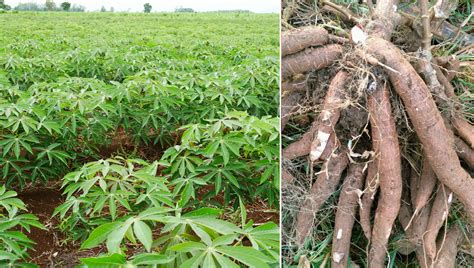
259, 6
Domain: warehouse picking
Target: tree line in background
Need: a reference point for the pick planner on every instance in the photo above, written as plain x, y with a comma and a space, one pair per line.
49, 5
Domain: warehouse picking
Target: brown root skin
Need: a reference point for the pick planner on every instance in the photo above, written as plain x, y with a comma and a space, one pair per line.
426, 70
417, 231
404, 215
345, 215
448, 88
451, 65
387, 151
438, 215
325, 185
371, 186
464, 152
341, 11
310, 59
294, 85
334, 39
300, 147
301, 38
449, 247
329, 115
463, 129
427, 122
414, 233
426, 185
288, 105
332, 103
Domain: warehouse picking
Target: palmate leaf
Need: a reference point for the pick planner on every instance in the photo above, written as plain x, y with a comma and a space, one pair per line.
115, 238
15, 143
184, 187
8, 256
202, 222
264, 237
219, 251
52, 154
8, 200
41, 170
115, 233
217, 173
246, 255
27, 123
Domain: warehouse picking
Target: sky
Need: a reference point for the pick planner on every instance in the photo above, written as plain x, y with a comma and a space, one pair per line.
259, 6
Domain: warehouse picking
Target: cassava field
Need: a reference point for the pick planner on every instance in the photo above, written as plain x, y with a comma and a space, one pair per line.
378, 134
146, 139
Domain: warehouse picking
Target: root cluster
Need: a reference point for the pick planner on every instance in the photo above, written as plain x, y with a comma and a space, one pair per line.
385, 182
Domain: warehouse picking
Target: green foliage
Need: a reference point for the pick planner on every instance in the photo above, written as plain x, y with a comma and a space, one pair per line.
190, 239
51, 93
122, 202
50, 5
147, 8
140, 260
13, 242
109, 189
66, 6
237, 153
210, 100
4, 6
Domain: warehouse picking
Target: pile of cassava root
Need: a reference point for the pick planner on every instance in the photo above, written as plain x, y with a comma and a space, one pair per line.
387, 180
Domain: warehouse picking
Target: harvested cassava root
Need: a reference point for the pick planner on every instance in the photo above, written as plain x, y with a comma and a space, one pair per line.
324, 126
301, 38
310, 59
449, 248
417, 119
346, 214
387, 151
427, 121
325, 185
371, 187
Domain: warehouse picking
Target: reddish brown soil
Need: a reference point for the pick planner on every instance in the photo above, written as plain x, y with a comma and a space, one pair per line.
42, 203
258, 211
122, 142
50, 249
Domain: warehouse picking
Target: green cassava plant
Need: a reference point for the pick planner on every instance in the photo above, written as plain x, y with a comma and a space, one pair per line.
13, 242
123, 202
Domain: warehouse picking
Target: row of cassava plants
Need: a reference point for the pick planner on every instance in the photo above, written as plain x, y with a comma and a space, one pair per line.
222, 154
53, 124
123, 204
